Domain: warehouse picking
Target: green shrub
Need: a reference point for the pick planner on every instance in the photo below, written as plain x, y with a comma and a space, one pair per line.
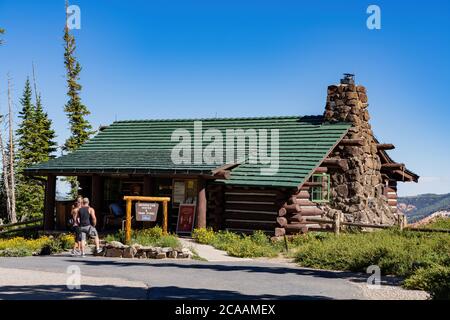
224, 239
19, 247
204, 235
255, 245
394, 252
435, 280
168, 241
421, 258
52, 247
260, 238
247, 247
67, 241
22, 246
439, 223
16, 252
118, 236
147, 237
155, 232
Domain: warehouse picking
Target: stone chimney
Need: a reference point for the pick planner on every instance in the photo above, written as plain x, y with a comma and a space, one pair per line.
357, 192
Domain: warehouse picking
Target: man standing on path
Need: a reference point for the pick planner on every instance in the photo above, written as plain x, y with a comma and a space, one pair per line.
86, 214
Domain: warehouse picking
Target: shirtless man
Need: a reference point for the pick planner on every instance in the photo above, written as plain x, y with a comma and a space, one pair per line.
86, 214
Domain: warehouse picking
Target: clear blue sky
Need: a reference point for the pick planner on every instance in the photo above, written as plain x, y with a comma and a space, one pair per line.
181, 58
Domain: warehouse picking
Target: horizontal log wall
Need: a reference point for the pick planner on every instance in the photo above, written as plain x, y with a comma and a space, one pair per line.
293, 214
391, 194
248, 209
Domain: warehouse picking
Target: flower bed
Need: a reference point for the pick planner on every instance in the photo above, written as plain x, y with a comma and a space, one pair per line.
21, 247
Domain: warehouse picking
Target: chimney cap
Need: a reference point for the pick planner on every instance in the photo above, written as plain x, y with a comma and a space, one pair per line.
349, 78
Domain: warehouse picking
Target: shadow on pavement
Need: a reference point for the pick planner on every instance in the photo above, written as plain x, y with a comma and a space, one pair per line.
175, 293
61, 292
108, 292
243, 267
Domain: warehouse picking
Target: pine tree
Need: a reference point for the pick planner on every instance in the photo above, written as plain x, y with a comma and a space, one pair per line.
2, 31
26, 132
80, 128
35, 144
46, 138
76, 111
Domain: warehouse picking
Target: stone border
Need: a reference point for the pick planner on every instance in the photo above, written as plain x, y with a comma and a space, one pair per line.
116, 249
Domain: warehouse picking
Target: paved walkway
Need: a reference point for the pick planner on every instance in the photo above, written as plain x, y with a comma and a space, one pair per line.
208, 252
19, 284
45, 277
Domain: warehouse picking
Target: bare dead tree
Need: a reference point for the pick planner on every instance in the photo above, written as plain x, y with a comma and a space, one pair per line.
36, 95
13, 217
5, 172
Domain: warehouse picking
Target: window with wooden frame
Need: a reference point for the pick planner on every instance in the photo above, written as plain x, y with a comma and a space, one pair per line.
320, 189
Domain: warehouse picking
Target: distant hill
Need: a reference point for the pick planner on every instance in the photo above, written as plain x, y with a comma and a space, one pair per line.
423, 205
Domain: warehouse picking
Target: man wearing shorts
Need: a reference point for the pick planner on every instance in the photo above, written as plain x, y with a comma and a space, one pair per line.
85, 215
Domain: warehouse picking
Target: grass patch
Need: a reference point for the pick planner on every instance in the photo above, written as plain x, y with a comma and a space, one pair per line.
239, 245
412, 255
435, 280
439, 223
148, 237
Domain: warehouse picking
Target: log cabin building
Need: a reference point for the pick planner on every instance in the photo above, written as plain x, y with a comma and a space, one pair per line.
326, 164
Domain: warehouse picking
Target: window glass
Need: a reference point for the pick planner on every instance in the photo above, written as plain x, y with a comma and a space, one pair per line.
320, 192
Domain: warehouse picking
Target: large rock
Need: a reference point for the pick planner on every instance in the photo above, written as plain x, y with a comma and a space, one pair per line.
147, 248
113, 252
129, 252
160, 255
166, 249
342, 191
115, 244
140, 254
185, 253
172, 254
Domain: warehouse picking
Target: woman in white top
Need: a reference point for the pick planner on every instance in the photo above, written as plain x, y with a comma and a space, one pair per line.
75, 224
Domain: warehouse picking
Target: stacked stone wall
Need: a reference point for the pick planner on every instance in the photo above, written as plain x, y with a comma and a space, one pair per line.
359, 191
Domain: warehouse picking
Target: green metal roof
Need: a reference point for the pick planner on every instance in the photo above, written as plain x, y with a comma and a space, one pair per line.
145, 146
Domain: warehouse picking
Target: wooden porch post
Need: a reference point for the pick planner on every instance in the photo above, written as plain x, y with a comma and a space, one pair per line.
201, 204
148, 192
147, 186
97, 197
49, 205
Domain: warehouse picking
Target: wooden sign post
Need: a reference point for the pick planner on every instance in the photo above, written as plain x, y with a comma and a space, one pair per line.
130, 199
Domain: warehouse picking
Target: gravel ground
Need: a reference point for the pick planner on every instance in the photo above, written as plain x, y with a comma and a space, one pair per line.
387, 292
